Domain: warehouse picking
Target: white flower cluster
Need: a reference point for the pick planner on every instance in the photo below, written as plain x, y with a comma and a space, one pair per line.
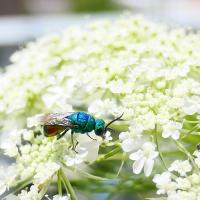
40, 158
184, 186
131, 65
146, 70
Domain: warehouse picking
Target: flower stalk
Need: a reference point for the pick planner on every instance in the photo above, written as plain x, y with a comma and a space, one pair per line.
158, 147
68, 186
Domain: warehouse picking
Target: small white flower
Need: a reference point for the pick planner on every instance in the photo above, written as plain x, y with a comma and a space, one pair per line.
136, 129
128, 145
33, 194
45, 171
144, 158
108, 137
58, 197
9, 143
172, 129
182, 195
182, 167
194, 179
34, 120
124, 135
127, 142
92, 146
77, 158
100, 107
183, 183
164, 183
191, 107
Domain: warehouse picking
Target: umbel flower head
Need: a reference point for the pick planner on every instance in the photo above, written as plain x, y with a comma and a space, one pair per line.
131, 65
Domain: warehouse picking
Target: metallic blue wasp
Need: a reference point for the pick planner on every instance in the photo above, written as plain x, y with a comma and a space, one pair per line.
78, 122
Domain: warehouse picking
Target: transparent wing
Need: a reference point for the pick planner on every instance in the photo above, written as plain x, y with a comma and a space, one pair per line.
57, 119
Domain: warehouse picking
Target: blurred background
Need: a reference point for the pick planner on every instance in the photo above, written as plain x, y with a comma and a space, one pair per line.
24, 20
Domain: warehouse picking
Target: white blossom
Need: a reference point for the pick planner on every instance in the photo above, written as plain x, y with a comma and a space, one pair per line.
127, 142
131, 65
77, 158
172, 129
58, 197
144, 157
191, 107
45, 172
108, 137
33, 194
34, 120
164, 183
182, 167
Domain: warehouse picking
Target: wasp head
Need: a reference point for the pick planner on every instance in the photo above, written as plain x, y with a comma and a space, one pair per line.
101, 129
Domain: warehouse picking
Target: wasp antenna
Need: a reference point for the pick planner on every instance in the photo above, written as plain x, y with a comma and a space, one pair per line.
117, 119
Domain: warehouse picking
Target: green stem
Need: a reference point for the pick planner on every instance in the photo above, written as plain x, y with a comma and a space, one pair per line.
44, 190
110, 154
91, 176
59, 183
187, 153
196, 127
69, 186
122, 164
19, 187
87, 175
191, 122
158, 148
66, 189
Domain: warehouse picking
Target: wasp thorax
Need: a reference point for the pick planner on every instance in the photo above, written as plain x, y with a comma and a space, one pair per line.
99, 127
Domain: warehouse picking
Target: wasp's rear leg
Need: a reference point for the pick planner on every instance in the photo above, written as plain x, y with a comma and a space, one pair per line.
62, 134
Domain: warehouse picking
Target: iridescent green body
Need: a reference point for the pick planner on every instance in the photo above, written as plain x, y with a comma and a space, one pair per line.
85, 123
77, 122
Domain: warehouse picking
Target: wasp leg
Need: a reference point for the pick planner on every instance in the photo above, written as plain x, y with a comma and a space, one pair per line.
72, 139
91, 137
76, 144
62, 134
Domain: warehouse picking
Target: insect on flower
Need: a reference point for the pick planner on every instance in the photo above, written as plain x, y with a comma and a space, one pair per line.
78, 122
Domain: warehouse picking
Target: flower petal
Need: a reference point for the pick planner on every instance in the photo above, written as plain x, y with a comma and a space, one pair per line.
138, 165
136, 155
148, 166
128, 145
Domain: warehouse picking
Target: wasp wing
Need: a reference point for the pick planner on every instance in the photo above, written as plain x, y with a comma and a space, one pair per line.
57, 119
55, 123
